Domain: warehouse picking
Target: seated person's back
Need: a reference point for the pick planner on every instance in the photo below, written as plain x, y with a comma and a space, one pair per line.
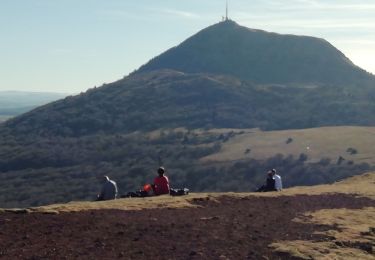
270, 183
161, 183
278, 182
109, 190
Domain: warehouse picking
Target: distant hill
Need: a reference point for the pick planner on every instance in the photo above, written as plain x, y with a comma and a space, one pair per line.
13, 103
225, 76
261, 57
170, 99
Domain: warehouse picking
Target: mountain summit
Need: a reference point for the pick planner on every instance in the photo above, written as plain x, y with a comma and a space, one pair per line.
225, 76
259, 56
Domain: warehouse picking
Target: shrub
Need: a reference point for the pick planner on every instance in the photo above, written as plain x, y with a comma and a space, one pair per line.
351, 150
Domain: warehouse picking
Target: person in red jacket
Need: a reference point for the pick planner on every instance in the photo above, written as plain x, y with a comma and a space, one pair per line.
161, 183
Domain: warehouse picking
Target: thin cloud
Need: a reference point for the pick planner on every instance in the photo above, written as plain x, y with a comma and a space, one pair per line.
296, 5
270, 20
359, 42
125, 14
179, 13
325, 24
112, 14
306, 4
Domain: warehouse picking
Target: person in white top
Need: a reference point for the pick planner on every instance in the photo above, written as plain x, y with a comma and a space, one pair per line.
278, 182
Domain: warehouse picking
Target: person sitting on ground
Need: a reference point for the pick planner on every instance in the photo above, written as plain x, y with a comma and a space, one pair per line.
270, 183
161, 183
278, 182
108, 191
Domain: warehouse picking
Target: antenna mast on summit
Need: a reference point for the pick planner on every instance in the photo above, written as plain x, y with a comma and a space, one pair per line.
226, 11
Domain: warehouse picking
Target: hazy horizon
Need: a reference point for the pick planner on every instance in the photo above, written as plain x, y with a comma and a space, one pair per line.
35, 92
70, 46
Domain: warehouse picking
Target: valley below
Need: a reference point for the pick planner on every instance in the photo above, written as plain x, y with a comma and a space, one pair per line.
4, 118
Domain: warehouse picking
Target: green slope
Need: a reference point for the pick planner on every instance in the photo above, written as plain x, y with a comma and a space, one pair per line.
315, 143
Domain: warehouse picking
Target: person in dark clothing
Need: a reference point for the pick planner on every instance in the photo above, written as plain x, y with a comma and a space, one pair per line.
108, 191
270, 183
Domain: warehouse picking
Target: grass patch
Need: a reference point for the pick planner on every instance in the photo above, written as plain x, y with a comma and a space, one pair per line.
164, 201
352, 238
319, 250
361, 185
316, 143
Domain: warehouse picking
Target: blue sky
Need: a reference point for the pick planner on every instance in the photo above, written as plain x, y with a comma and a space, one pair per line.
72, 45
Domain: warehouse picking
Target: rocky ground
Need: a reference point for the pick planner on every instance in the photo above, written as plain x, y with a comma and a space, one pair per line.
220, 228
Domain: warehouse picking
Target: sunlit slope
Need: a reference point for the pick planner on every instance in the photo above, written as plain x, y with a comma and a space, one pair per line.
316, 143
351, 235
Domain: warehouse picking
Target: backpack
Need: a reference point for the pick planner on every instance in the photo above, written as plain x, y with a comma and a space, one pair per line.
178, 192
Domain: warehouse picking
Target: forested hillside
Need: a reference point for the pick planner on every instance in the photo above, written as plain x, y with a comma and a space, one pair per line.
40, 170
170, 99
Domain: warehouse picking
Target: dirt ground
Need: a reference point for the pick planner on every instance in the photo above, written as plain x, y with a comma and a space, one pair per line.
222, 228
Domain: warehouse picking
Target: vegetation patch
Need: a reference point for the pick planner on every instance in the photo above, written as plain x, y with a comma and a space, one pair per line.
164, 201
351, 237
318, 250
58, 170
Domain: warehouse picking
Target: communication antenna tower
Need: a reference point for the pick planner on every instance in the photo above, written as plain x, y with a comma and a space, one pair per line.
226, 11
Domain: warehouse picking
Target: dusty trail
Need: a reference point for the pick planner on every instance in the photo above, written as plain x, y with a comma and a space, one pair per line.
223, 228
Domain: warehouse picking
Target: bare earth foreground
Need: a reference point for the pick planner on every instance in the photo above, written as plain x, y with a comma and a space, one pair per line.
322, 222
